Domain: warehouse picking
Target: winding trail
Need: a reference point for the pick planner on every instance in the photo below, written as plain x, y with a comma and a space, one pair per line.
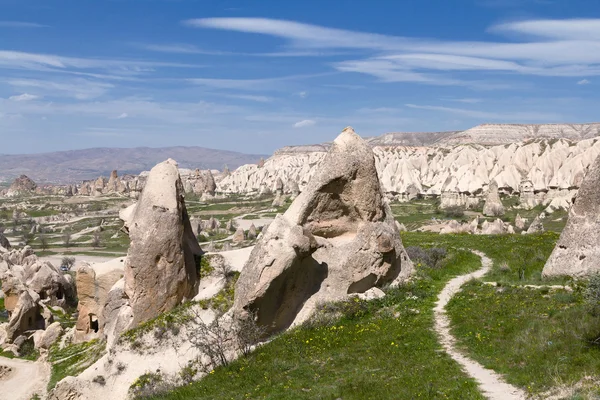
26, 379
491, 384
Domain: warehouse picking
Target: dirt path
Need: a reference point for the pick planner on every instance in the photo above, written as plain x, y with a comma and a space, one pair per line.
26, 379
491, 384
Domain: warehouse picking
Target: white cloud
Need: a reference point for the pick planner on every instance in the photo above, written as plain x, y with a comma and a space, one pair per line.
123, 116
24, 97
495, 115
584, 82
79, 88
303, 94
305, 35
567, 48
259, 99
304, 123
56, 63
20, 24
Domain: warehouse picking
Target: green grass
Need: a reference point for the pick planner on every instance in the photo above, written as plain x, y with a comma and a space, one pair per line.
536, 339
3, 318
527, 251
73, 360
384, 349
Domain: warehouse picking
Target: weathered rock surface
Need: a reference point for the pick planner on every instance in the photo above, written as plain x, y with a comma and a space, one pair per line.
553, 168
520, 222
21, 186
239, 236
164, 256
536, 226
337, 238
493, 206
93, 285
577, 252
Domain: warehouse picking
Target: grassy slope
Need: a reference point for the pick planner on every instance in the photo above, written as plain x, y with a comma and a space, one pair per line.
537, 339
386, 349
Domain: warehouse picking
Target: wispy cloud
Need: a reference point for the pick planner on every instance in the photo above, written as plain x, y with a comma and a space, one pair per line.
583, 82
24, 97
518, 116
78, 88
560, 48
249, 97
21, 25
74, 65
304, 123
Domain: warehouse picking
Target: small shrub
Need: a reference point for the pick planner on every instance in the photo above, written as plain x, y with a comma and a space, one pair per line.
504, 267
99, 380
592, 295
431, 258
454, 212
67, 262
149, 385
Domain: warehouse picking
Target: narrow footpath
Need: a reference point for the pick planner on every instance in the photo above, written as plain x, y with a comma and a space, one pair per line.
491, 384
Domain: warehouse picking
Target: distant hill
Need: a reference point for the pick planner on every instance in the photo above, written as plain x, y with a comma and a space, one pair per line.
77, 165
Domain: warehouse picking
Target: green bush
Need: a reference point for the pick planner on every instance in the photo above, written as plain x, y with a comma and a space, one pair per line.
592, 295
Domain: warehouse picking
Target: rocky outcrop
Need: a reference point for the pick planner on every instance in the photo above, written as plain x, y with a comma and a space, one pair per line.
21, 186
239, 236
200, 183
536, 226
163, 260
337, 238
551, 166
493, 206
520, 222
577, 252
93, 285
496, 227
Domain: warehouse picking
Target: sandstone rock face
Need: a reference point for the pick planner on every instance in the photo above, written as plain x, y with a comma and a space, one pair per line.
200, 183
93, 284
49, 336
536, 226
520, 222
551, 167
577, 252
239, 236
252, 232
337, 238
117, 313
493, 205
164, 256
22, 186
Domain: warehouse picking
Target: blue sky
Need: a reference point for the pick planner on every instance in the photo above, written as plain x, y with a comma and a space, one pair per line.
253, 76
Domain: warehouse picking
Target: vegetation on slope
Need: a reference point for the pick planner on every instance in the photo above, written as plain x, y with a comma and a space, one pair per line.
383, 349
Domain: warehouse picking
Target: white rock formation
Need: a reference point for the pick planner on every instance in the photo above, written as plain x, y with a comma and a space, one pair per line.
337, 238
555, 168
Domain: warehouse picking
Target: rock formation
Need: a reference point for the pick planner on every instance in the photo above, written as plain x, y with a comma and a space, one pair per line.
164, 256
496, 227
577, 252
553, 168
337, 238
520, 222
29, 287
536, 226
252, 232
93, 285
239, 236
21, 186
493, 205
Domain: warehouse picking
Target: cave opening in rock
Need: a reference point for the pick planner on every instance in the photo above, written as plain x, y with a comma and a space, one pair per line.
94, 323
